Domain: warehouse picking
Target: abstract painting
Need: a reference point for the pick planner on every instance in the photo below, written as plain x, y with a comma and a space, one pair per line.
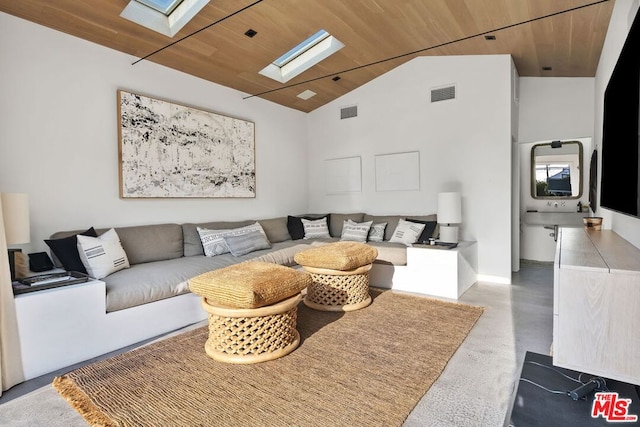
171, 150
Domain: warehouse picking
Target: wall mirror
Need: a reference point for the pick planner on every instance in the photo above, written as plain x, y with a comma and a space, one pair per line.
556, 170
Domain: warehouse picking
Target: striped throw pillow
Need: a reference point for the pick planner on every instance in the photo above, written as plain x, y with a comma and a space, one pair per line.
376, 232
355, 232
315, 229
213, 240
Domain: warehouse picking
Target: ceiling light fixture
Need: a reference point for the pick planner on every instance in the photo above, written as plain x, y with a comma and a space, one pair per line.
336, 78
306, 94
250, 33
305, 55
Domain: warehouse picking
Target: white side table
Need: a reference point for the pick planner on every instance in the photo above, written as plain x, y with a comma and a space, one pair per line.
445, 273
59, 327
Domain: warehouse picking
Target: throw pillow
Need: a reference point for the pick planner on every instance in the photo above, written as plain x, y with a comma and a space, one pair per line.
242, 244
315, 228
66, 250
354, 231
213, 240
407, 232
102, 255
376, 232
429, 229
295, 227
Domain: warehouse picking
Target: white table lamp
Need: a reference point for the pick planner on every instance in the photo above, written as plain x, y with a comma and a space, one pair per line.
449, 215
15, 214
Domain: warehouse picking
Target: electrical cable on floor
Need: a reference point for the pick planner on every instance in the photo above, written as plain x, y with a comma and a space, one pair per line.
594, 384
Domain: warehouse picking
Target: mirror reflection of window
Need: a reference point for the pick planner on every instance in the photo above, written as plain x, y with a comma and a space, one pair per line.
556, 170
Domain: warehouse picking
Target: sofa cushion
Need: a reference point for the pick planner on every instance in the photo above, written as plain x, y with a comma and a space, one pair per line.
153, 281
64, 246
284, 256
276, 229
390, 253
102, 255
337, 220
147, 243
192, 242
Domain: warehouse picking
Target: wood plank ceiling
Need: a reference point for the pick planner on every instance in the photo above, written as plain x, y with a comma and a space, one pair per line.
566, 35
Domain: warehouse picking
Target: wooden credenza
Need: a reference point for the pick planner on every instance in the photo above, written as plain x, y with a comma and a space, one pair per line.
596, 306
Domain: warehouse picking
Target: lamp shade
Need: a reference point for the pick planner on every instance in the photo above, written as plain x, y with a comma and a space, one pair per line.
15, 212
449, 208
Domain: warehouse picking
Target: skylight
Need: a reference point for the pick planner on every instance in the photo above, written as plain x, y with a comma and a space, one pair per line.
305, 55
164, 16
163, 6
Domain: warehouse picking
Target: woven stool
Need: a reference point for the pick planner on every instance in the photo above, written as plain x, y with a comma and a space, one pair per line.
253, 309
340, 273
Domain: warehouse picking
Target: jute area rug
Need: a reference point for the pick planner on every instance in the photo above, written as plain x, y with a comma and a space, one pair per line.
363, 368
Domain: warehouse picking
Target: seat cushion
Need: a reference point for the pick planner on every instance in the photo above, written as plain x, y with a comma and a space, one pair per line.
249, 284
341, 256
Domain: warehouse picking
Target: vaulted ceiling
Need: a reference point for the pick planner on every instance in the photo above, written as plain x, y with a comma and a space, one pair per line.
566, 36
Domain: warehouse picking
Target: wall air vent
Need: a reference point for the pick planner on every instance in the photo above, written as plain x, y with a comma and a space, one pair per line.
348, 112
443, 93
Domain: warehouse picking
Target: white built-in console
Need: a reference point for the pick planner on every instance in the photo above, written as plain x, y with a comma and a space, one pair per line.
596, 307
62, 326
433, 271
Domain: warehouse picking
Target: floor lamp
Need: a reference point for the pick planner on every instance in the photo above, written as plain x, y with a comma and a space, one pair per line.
449, 213
15, 213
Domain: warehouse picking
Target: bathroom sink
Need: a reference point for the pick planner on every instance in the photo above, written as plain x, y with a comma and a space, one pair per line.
562, 219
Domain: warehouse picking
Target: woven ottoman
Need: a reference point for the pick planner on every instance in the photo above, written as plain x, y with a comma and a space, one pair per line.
340, 273
253, 308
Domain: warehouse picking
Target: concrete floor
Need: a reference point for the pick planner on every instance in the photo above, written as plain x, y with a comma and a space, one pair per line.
475, 389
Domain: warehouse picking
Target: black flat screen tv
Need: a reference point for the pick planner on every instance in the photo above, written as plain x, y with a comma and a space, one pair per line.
620, 182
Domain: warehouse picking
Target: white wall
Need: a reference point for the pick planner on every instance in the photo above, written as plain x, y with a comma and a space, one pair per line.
464, 145
58, 135
623, 13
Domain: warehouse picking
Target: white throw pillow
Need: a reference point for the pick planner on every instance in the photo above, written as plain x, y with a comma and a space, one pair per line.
102, 255
407, 232
316, 228
213, 240
355, 232
376, 232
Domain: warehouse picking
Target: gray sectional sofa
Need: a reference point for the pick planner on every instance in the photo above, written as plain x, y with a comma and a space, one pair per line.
163, 257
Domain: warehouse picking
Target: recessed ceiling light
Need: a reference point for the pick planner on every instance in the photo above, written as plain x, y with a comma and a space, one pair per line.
490, 37
250, 33
306, 94
547, 68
